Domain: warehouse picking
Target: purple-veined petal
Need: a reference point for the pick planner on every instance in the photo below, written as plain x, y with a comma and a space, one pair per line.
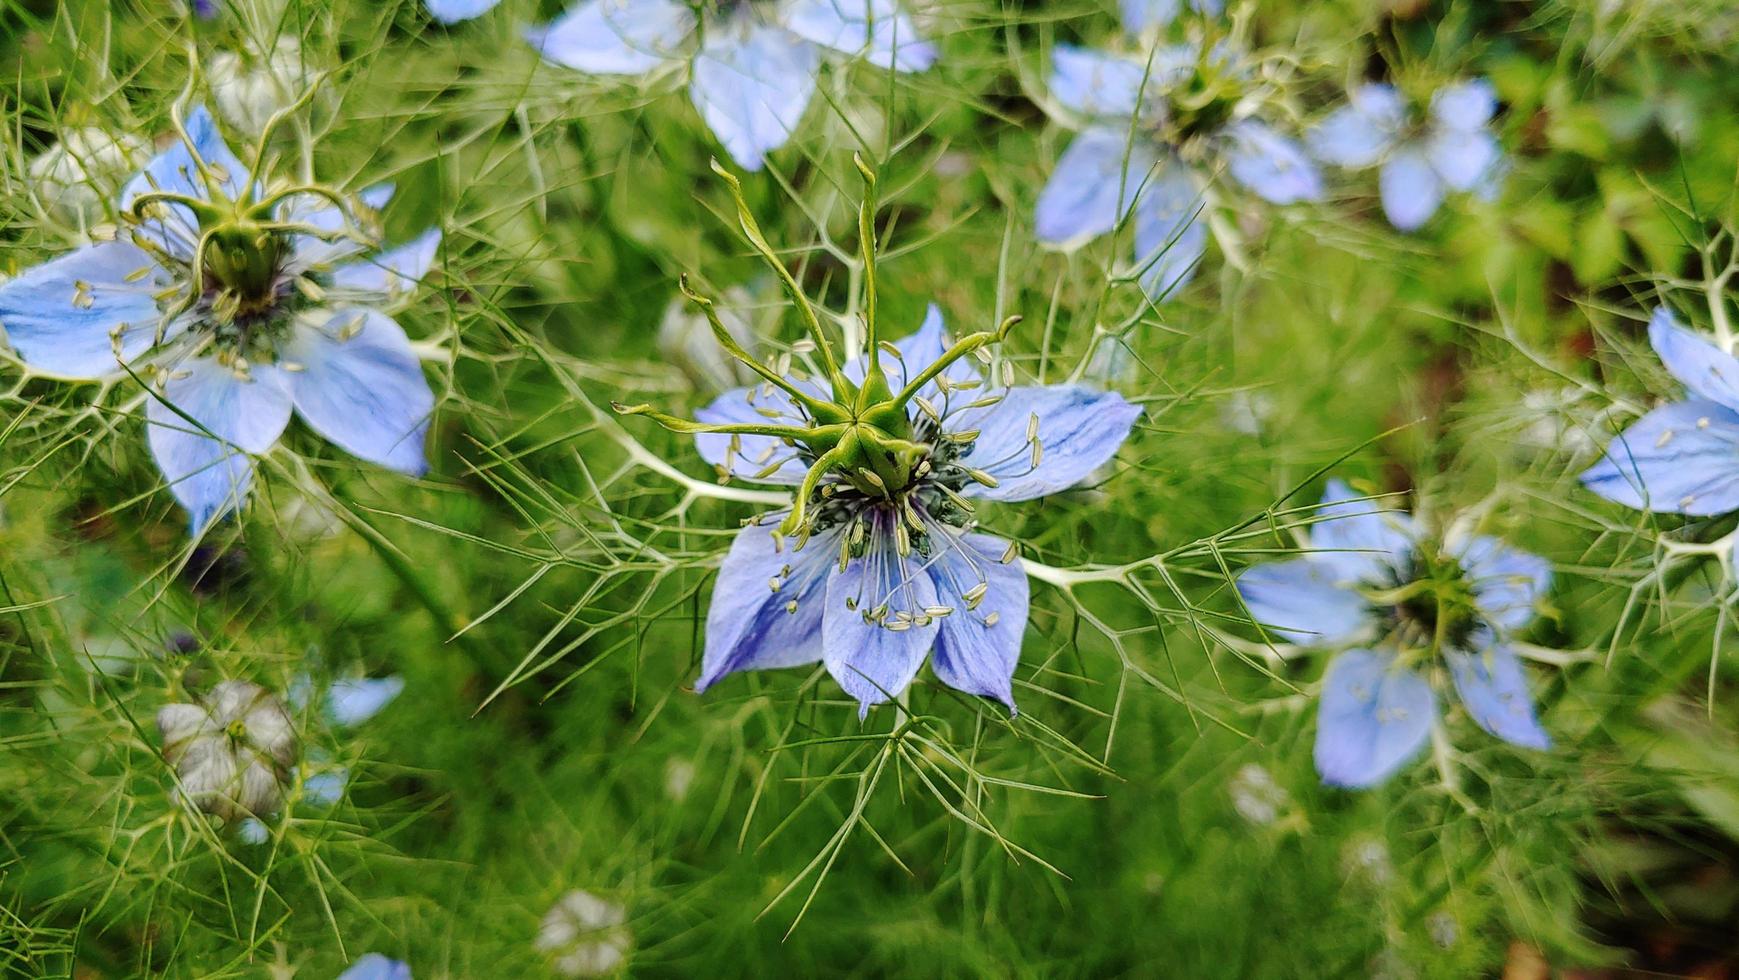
1374, 717
354, 700
615, 37
1094, 186
374, 966
873, 29
1507, 582
1095, 84
1360, 132
1410, 188
870, 660
1358, 537
1462, 157
210, 477
767, 604
1273, 166
1466, 105
174, 171
761, 404
1304, 601
1705, 369
357, 382
1494, 690
1170, 236
977, 649
1078, 431
751, 87
1681, 458
454, 11
61, 316
392, 273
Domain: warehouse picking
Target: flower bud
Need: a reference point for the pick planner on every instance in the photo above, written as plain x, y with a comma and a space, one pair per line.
74, 176
250, 86
585, 935
232, 751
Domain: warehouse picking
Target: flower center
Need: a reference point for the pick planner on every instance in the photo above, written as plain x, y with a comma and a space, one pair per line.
1429, 601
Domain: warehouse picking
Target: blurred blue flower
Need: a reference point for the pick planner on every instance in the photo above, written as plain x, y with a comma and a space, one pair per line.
1155, 131
350, 701
1681, 458
374, 966
1141, 15
876, 583
753, 67
237, 302
454, 11
1421, 160
1371, 575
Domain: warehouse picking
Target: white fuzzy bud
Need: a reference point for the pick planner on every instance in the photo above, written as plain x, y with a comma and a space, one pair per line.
584, 935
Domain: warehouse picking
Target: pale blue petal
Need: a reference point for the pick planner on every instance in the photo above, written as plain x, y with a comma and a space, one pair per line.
1095, 84
60, 316
208, 476
753, 625
392, 273
1170, 236
354, 700
1507, 582
1681, 458
454, 11
1093, 187
970, 655
1079, 430
357, 382
1360, 132
1304, 601
1410, 187
1705, 369
1462, 157
870, 661
1358, 537
616, 37
1275, 167
252, 831
1374, 718
326, 788
1467, 105
374, 966
757, 405
917, 351
318, 212
1139, 15
873, 29
174, 171
752, 88
1494, 689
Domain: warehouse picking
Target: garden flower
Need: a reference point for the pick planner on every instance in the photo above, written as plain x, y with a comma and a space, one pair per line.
1683, 457
1156, 129
753, 66
1374, 575
585, 936
1451, 148
236, 301
374, 966
1141, 15
232, 752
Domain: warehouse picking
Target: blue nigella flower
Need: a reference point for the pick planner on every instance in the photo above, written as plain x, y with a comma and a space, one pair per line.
1421, 160
1681, 458
1372, 575
878, 577
753, 66
237, 302
1140, 15
374, 966
1156, 130
454, 11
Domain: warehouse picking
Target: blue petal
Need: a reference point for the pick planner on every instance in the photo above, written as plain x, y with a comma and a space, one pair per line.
60, 316
1681, 458
1707, 370
174, 171
752, 88
874, 29
1360, 132
753, 626
354, 700
1170, 236
1304, 601
210, 477
917, 350
1139, 15
1507, 582
758, 405
970, 655
357, 382
1410, 187
1275, 167
374, 966
1375, 716
252, 831
1093, 187
1079, 430
615, 37
1494, 689
872, 662
1468, 105
1358, 537
1095, 84
326, 788
391, 273
454, 11
1462, 157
